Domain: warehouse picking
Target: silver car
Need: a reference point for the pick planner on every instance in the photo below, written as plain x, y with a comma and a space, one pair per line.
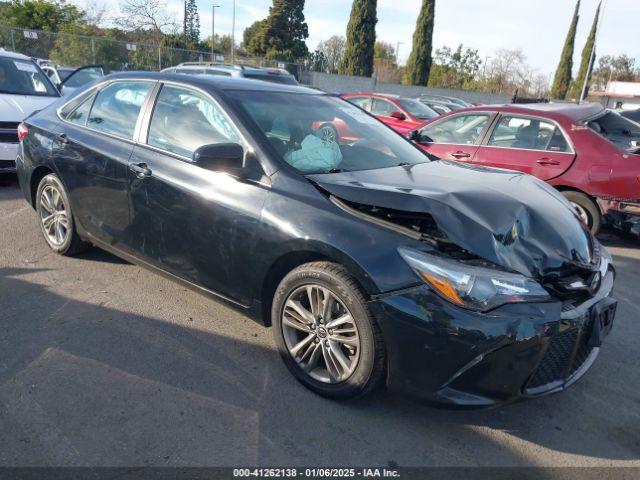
274, 75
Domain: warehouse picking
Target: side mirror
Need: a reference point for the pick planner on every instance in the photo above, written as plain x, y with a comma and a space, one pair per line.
220, 157
398, 115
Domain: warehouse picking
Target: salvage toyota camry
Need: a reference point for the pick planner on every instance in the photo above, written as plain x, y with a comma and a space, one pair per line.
373, 263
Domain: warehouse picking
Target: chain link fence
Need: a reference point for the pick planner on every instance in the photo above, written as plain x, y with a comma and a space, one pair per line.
73, 50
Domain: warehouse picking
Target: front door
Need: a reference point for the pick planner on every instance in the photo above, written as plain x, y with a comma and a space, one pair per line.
527, 144
455, 137
92, 152
197, 224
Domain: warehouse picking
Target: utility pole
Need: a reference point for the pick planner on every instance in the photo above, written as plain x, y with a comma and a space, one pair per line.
213, 32
233, 34
398, 53
484, 67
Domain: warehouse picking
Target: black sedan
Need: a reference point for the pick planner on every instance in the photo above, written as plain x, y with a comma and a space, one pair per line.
372, 262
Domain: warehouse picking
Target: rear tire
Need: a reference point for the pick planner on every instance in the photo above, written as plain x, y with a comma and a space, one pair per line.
344, 358
56, 218
586, 208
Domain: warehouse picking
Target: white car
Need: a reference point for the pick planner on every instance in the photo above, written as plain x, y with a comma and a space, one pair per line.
24, 88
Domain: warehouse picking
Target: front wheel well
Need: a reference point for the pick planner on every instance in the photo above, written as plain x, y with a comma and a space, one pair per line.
36, 177
287, 262
277, 272
566, 188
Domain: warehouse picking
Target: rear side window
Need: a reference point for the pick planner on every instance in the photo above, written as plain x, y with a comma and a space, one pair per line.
528, 134
184, 119
79, 115
362, 102
117, 107
383, 108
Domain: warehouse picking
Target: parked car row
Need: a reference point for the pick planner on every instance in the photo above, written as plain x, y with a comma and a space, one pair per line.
372, 261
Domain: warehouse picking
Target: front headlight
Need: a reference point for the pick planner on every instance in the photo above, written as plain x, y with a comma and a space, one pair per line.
472, 287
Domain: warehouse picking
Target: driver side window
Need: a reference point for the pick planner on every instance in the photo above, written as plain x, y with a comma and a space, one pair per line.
184, 119
458, 129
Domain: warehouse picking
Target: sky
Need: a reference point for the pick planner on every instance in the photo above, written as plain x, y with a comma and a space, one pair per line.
538, 27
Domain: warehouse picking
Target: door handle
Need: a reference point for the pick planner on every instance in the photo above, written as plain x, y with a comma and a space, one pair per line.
461, 155
545, 162
63, 139
140, 169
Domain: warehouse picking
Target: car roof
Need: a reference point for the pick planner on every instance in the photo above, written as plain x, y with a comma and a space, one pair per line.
215, 83
574, 111
389, 96
6, 53
232, 68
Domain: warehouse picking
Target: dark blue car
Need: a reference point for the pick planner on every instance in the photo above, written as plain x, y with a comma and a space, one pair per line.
372, 262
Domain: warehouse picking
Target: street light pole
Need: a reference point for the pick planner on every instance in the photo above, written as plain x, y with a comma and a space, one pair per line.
233, 33
213, 32
398, 53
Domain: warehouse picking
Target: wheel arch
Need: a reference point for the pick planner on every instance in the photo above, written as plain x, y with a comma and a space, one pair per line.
36, 177
569, 188
292, 259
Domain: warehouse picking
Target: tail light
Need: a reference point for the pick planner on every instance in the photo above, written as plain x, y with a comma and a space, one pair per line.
23, 131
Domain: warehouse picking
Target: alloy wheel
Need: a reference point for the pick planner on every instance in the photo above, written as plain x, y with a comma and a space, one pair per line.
328, 134
53, 215
320, 334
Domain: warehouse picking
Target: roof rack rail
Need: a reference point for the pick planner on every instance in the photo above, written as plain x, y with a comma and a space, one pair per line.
209, 64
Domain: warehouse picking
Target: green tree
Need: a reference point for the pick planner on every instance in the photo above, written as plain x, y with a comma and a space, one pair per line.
419, 62
361, 38
191, 28
329, 54
250, 32
283, 33
41, 14
588, 59
454, 69
562, 79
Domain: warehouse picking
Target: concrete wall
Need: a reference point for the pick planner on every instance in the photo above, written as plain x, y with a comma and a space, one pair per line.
345, 83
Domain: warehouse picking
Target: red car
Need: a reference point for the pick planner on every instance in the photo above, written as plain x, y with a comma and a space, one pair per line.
400, 113
589, 153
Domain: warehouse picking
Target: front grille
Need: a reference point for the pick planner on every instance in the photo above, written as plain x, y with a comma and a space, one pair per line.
9, 125
566, 353
7, 164
553, 366
9, 137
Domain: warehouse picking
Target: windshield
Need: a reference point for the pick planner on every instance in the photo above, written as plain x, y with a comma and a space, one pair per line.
417, 109
83, 76
23, 77
323, 134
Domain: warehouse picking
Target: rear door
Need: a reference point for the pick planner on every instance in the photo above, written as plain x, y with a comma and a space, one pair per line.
456, 137
92, 152
531, 145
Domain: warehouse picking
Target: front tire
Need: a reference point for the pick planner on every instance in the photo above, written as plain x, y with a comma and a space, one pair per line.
325, 332
56, 218
586, 208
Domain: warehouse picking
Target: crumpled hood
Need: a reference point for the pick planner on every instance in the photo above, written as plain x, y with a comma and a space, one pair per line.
505, 217
15, 108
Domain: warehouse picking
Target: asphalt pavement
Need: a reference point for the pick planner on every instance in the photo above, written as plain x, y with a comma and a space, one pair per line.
103, 363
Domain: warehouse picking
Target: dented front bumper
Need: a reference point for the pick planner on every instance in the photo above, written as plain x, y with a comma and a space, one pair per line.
458, 357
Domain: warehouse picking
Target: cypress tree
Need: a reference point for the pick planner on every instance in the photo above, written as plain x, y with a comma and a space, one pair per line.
588, 59
283, 33
419, 63
191, 23
562, 79
361, 39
